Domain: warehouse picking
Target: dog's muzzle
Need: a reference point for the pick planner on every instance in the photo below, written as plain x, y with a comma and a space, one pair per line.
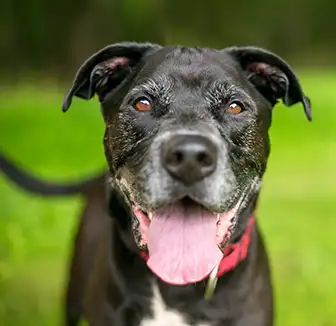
185, 202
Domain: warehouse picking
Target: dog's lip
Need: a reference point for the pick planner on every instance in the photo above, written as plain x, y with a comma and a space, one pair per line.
243, 195
150, 213
216, 211
235, 200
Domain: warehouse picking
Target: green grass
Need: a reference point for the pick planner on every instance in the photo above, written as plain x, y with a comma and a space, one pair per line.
296, 212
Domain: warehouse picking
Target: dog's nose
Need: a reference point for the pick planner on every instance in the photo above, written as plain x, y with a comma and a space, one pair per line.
189, 158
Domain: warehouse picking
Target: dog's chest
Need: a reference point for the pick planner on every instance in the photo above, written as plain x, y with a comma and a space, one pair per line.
165, 316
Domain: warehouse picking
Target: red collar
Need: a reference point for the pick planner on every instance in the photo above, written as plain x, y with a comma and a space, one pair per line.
233, 254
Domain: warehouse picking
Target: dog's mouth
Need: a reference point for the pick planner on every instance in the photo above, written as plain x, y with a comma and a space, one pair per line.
185, 240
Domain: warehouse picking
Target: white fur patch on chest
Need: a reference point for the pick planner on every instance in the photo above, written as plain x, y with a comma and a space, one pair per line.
163, 315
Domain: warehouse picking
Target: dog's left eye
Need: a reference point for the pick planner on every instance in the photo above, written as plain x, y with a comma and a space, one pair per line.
235, 108
142, 104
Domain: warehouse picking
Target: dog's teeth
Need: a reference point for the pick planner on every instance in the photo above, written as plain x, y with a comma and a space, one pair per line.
150, 216
218, 217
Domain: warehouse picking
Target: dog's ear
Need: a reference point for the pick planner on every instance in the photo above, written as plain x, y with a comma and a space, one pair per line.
271, 75
106, 69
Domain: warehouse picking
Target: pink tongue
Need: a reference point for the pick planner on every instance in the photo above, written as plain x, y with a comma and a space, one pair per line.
182, 244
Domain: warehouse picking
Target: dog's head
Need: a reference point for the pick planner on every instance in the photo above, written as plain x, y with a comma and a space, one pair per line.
187, 142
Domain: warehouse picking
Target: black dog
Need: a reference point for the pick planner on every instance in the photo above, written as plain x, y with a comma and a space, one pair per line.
187, 145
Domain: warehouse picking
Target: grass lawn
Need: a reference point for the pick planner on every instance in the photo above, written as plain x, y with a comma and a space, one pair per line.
296, 213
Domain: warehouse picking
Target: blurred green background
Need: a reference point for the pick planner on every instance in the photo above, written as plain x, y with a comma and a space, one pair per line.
44, 42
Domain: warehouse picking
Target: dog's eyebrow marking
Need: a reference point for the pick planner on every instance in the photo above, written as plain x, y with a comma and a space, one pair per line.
159, 86
219, 92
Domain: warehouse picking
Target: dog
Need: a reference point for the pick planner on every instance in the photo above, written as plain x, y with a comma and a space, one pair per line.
187, 144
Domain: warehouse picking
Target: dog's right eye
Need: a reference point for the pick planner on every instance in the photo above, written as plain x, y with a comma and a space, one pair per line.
142, 104
235, 108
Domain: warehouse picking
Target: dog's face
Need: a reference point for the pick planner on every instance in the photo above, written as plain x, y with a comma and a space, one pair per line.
187, 142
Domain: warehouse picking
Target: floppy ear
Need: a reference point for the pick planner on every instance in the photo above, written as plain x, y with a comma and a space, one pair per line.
106, 69
271, 75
